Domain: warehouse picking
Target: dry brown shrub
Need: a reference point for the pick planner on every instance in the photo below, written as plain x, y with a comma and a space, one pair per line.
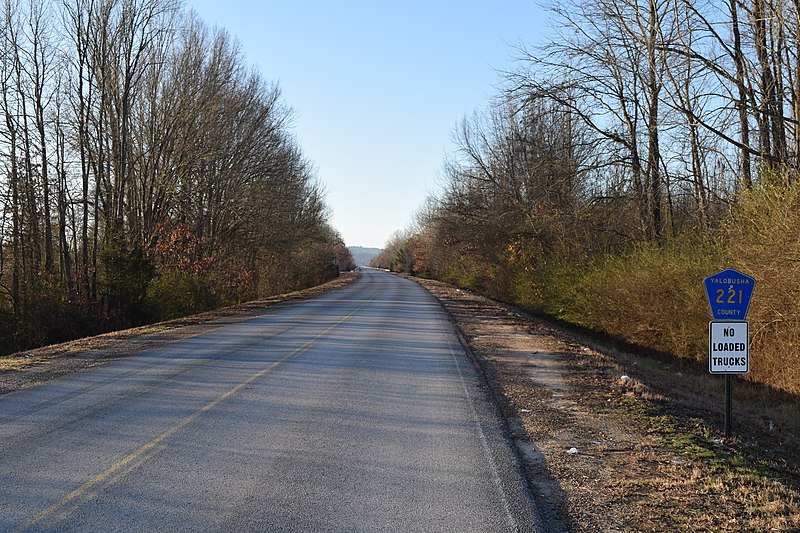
652, 296
763, 239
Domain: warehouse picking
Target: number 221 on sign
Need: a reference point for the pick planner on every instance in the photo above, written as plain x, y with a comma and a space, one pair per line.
732, 296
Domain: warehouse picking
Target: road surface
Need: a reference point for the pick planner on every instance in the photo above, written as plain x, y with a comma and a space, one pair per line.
355, 411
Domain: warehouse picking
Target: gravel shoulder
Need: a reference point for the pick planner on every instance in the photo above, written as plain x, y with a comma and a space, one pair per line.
614, 441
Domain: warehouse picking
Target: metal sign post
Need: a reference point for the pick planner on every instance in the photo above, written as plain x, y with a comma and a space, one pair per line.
728, 404
729, 293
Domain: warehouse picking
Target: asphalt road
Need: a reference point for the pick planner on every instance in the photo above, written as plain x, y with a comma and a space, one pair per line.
355, 411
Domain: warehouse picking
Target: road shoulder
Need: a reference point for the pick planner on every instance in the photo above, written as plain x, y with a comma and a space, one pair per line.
605, 448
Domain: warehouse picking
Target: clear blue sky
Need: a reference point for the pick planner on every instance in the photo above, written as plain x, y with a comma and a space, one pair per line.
377, 88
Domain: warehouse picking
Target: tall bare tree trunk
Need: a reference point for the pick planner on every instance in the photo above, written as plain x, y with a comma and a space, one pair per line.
16, 271
741, 104
61, 168
766, 105
653, 148
40, 66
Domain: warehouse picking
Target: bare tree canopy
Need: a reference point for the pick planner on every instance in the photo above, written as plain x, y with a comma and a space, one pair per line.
147, 171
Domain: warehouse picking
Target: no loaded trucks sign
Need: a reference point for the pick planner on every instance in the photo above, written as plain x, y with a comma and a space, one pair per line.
729, 293
729, 351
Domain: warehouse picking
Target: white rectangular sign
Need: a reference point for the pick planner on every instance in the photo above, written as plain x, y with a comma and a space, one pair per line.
728, 347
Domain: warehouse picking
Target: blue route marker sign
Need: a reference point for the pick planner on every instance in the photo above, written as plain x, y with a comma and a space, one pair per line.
729, 294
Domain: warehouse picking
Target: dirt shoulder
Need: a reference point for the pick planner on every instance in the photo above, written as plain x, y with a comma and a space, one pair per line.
25, 369
618, 442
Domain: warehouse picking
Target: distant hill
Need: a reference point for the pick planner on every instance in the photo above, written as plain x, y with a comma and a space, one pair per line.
363, 255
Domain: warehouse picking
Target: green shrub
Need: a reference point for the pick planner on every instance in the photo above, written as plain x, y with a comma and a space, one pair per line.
126, 274
526, 291
561, 280
175, 294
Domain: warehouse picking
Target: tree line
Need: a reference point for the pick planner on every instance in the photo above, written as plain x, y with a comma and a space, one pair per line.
647, 134
148, 171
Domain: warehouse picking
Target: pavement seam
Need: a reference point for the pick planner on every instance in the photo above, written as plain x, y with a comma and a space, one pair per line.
512, 523
497, 402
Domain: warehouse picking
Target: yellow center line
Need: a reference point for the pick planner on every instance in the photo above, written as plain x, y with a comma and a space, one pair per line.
116, 472
91, 492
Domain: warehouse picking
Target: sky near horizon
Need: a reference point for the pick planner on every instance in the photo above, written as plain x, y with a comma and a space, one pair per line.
377, 88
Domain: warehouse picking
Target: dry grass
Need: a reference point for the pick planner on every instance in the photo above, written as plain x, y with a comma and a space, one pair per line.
19, 362
764, 237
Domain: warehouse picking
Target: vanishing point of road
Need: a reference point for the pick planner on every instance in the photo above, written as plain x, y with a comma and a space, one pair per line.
355, 411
